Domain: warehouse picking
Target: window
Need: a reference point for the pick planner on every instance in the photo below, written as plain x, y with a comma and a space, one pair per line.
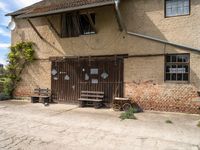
85, 25
177, 67
177, 7
74, 25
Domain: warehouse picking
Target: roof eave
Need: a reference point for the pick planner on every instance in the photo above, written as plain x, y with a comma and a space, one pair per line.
23, 16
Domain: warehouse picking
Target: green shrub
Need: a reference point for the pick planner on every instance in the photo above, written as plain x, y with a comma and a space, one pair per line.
130, 114
169, 122
19, 56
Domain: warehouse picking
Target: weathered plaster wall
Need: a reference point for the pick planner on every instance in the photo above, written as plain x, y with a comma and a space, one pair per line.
142, 73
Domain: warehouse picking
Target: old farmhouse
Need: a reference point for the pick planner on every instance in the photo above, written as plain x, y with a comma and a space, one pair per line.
147, 50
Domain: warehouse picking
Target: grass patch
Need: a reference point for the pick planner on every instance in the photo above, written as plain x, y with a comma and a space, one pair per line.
169, 122
130, 114
198, 125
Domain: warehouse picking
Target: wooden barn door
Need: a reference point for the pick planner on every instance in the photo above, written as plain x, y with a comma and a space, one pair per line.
103, 75
71, 77
65, 84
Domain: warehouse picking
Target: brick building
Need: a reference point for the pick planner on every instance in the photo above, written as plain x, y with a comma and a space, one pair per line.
148, 50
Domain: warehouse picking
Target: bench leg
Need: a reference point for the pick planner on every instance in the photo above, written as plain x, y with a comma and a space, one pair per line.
81, 104
34, 99
97, 105
45, 100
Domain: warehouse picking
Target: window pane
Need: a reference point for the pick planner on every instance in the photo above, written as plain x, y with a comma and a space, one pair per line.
186, 68
168, 58
168, 68
179, 58
179, 77
174, 58
173, 77
185, 58
186, 10
185, 77
177, 7
168, 76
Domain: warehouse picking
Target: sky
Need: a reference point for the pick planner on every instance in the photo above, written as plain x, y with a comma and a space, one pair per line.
7, 6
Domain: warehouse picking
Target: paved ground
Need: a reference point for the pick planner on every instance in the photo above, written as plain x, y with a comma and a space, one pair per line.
33, 126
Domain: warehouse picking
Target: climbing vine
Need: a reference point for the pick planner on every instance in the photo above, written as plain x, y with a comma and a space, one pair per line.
20, 55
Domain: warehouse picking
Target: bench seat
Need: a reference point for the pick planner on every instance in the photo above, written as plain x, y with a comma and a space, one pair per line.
91, 97
92, 100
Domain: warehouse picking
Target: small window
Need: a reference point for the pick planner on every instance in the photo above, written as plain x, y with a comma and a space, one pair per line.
74, 25
177, 67
177, 7
85, 25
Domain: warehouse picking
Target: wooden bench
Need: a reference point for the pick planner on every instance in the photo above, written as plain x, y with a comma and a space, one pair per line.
94, 98
39, 95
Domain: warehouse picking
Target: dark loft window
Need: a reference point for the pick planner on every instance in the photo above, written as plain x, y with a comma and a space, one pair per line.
76, 24
177, 7
177, 67
85, 25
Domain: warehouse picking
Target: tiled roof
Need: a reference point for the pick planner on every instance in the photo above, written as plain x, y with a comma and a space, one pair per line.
56, 6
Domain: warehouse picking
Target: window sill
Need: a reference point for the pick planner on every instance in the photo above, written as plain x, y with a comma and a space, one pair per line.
89, 33
167, 17
178, 82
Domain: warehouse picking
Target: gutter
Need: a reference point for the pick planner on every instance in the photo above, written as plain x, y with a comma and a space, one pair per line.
64, 10
123, 28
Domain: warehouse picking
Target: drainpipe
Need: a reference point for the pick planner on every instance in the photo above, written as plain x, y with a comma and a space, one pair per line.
119, 16
123, 27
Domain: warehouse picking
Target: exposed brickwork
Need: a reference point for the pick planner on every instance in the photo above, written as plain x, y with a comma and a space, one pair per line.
165, 97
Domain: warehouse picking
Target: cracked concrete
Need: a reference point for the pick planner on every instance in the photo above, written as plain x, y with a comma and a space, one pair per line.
25, 126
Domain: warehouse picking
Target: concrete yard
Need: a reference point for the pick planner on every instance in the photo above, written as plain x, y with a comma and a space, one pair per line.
25, 126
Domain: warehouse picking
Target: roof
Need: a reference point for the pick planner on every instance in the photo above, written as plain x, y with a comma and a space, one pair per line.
47, 7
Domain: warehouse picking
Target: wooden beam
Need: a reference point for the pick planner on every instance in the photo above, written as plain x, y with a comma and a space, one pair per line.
35, 29
91, 57
91, 22
146, 55
52, 26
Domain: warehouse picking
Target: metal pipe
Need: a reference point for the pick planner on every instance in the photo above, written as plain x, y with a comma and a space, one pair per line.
163, 41
119, 16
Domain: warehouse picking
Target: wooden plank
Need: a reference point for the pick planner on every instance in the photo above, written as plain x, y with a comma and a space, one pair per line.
97, 96
121, 99
92, 92
90, 100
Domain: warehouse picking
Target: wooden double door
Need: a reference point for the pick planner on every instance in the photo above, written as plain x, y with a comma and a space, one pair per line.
72, 76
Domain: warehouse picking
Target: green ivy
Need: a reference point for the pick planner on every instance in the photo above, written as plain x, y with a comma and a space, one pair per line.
20, 55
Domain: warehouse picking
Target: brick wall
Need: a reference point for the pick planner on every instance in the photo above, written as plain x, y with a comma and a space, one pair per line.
165, 97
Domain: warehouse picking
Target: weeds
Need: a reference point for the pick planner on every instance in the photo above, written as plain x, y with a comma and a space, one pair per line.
130, 114
198, 125
169, 122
